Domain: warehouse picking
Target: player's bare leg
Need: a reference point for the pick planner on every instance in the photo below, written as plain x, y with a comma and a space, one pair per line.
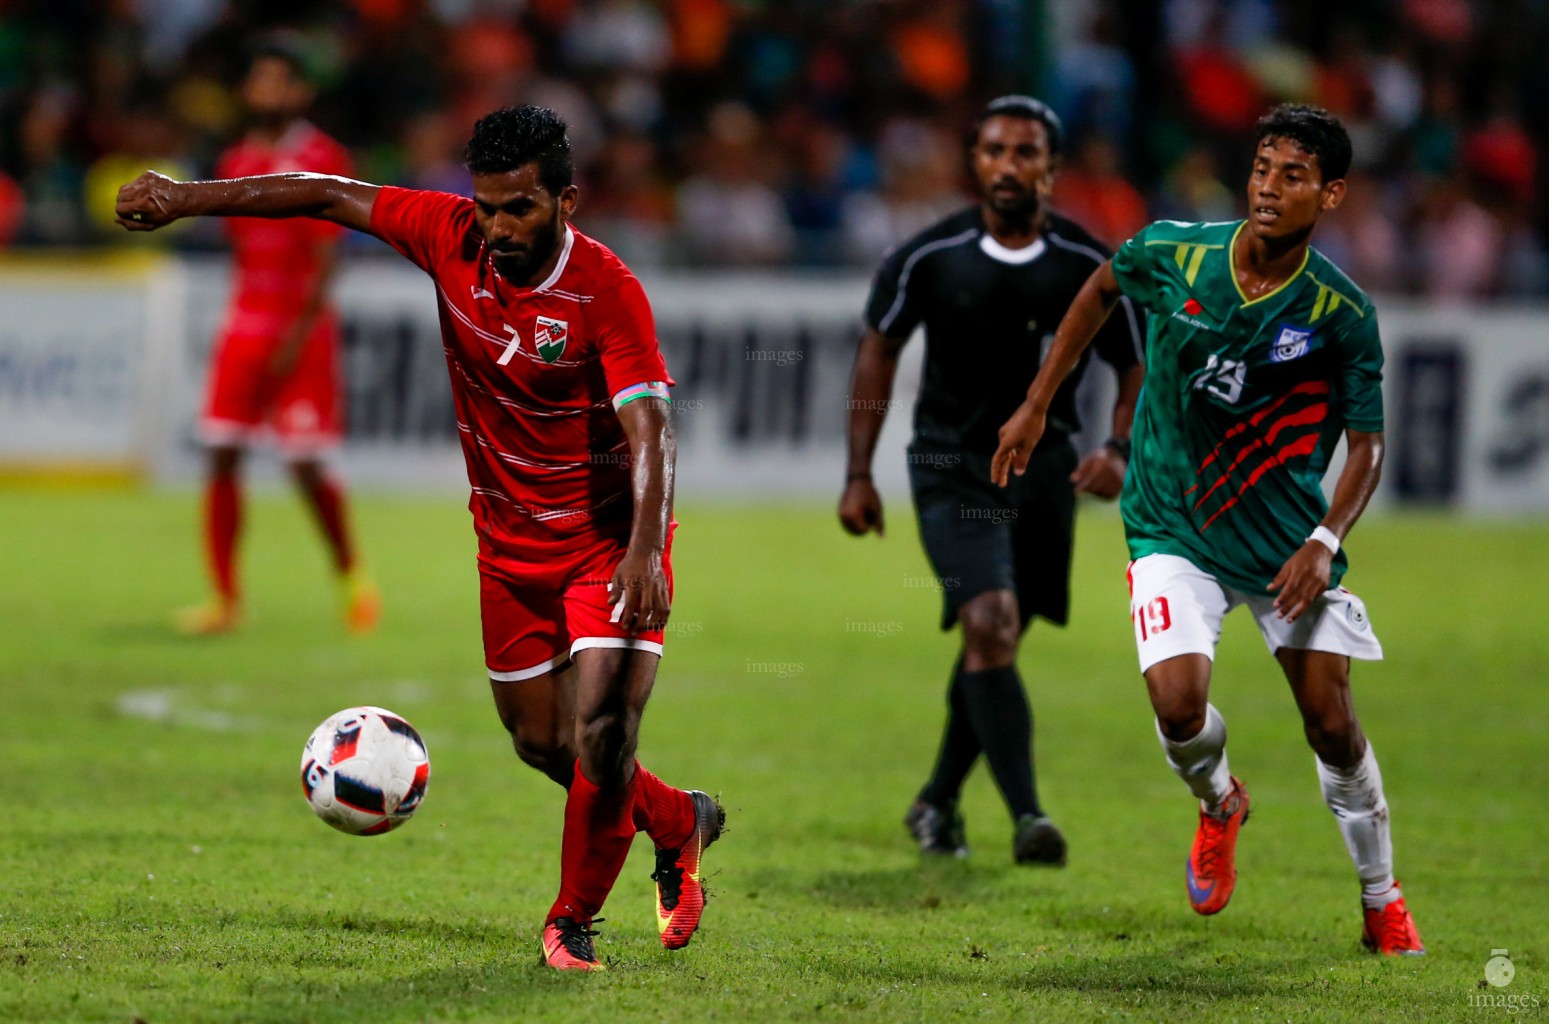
539, 713
1352, 788
323, 494
222, 529
1193, 735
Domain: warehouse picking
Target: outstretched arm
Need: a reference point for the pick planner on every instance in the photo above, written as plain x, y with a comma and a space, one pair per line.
1087, 312
154, 200
871, 391
1306, 574
638, 590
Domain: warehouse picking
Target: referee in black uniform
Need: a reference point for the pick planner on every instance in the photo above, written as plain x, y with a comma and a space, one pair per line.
989, 284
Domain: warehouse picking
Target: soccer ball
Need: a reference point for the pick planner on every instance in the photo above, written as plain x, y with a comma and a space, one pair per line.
364, 771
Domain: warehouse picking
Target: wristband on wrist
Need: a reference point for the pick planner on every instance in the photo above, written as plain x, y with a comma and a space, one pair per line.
1323, 535
857, 476
1120, 446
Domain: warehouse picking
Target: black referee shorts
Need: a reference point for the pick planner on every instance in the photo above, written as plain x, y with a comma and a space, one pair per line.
981, 537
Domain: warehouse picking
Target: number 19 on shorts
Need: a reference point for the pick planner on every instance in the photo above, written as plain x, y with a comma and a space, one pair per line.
1152, 617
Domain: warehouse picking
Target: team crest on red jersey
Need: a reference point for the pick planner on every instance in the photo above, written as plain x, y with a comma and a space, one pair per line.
549, 338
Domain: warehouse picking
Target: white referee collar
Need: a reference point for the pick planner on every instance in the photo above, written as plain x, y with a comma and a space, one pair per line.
1000, 253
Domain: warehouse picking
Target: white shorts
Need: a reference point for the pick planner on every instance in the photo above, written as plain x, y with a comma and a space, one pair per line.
1176, 608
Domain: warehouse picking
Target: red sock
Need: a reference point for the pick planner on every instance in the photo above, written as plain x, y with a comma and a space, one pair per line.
598, 831
327, 502
222, 525
660, 811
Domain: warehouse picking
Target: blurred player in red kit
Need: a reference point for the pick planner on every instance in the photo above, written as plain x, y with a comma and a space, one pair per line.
563, 409
275, 367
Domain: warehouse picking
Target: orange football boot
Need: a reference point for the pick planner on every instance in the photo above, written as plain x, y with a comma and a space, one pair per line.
567, 945
1212, 866
1391, 930
680, 898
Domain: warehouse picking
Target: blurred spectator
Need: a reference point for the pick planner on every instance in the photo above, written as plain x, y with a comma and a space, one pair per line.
1362, 238
756, 132
1193, 191
1460, 244
13, 209
729, 212
922, 171
432, 155
1220, 90
1092, 192
51, 177
625, 201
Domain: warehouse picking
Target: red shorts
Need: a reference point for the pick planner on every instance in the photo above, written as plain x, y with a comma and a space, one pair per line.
302, 411
537, 615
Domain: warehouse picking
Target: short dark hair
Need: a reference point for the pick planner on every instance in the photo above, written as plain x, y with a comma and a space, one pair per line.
1026, 108
1312, 128
517, 136
285, 49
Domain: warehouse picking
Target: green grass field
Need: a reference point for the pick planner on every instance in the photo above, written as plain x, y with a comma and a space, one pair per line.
158, 862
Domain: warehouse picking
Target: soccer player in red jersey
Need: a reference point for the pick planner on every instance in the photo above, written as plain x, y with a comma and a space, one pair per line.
275, 367
564, 415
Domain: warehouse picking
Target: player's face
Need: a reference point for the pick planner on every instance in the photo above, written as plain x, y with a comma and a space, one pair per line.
1012, 164
522, 221
273, 90
1286, 190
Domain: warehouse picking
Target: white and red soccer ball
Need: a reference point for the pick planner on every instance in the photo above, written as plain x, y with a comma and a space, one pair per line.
365, 770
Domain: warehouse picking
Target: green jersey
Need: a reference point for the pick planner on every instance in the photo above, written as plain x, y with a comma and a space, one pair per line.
1243, 404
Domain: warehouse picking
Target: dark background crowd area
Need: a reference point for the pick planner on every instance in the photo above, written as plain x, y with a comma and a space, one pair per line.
817, 133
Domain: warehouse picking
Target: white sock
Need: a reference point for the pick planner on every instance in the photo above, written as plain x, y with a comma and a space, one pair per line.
1201, 761
1354, 794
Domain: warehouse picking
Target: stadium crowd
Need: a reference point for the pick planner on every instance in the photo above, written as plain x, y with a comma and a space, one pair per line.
816, 133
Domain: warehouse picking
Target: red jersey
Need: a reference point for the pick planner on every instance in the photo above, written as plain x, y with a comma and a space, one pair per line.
276, 260
534, 374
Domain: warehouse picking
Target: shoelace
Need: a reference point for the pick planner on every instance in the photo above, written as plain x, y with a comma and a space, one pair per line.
576, 937
1215, 828
669, 877
1393, 929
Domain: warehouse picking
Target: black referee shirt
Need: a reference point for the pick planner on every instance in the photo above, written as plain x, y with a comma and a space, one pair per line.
989, 314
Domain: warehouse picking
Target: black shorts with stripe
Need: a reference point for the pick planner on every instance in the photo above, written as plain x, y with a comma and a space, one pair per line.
980, 537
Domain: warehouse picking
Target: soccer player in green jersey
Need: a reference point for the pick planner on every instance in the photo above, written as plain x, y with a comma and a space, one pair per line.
1260, 354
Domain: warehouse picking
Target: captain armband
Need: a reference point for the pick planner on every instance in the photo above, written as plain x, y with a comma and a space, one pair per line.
650, 389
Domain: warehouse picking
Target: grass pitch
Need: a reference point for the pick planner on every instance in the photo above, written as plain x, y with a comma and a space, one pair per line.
158, 863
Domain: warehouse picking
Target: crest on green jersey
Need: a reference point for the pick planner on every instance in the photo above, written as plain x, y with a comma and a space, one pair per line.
1292, 343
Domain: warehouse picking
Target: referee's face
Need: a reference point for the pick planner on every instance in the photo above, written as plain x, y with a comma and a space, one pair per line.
1012, 164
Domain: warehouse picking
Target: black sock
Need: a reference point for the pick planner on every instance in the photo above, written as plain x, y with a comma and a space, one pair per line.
1003, 721
959, 748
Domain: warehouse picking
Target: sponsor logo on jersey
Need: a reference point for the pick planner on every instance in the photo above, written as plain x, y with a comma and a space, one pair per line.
1189, 314
480, 293
549, 338
1292, 343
